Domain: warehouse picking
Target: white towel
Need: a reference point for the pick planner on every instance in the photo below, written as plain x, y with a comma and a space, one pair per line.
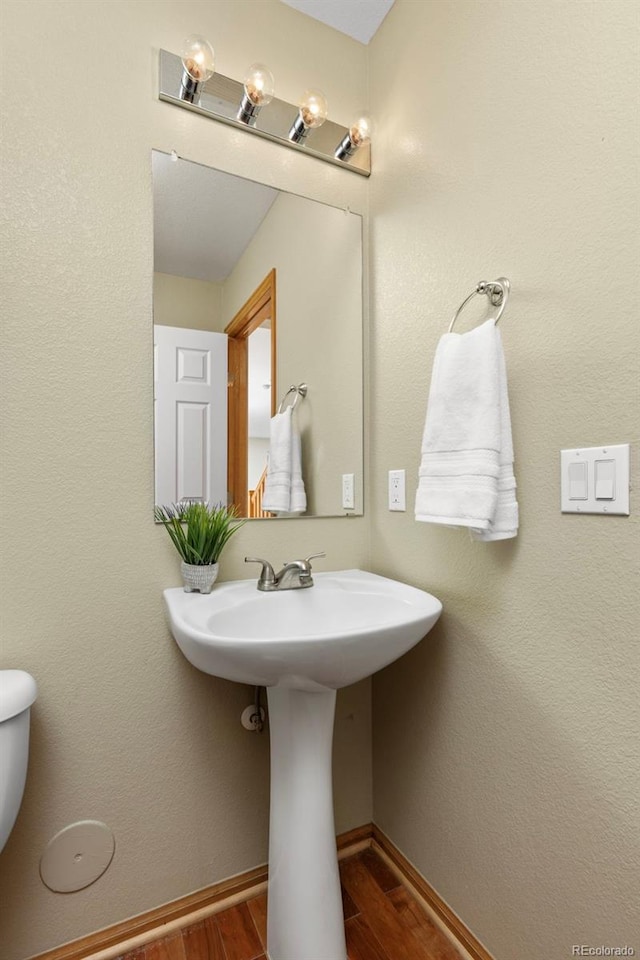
466, 472
298, 502
284, 488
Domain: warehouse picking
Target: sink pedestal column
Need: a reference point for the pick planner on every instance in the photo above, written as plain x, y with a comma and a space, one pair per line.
305, 919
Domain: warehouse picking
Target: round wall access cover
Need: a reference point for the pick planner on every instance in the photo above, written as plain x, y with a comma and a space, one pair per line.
77, 856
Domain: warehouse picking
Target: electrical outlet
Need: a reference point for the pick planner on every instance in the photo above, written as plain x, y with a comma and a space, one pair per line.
348, 491
397, 498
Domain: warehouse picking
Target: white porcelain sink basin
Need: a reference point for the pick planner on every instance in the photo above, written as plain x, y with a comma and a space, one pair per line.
302, 645
344, 628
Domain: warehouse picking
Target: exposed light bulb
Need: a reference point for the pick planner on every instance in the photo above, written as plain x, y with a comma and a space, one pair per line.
313, 110
198, 61
259, 87
360, 131
259, 84
358, 135
198, 58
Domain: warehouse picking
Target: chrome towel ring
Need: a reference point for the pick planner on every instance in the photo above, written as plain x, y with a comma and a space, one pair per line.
496, 290
299, 389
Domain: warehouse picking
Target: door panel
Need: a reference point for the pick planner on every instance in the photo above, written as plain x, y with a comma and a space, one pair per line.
190, 379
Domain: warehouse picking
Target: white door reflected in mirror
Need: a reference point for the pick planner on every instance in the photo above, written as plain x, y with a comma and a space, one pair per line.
190, 376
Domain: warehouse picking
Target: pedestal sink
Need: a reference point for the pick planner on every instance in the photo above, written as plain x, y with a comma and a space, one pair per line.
302, 645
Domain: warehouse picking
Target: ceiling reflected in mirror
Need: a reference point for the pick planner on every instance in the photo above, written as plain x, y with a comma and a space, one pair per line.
193, 208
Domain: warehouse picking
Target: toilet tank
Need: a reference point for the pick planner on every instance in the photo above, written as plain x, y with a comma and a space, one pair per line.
17, 692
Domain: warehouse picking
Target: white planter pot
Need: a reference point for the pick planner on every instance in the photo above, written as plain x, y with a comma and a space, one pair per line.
199, 578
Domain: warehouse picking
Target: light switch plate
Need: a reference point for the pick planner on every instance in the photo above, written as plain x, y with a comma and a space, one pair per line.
595, 480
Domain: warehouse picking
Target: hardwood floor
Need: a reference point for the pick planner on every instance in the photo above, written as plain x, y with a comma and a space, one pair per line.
382, 922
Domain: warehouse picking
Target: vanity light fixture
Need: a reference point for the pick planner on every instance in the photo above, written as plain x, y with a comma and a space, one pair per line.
189, 81
312, 113
358, 134
198, 64
259, 86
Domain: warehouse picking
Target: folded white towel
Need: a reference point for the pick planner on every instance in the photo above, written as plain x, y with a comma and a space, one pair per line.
284, 489
466, 472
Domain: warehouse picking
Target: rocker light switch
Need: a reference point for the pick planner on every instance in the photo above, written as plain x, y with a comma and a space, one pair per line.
578, 480
595, 480
605, 474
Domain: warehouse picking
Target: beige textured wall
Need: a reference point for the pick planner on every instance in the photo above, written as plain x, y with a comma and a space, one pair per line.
506, 744
124, 729
185, 302
317, 254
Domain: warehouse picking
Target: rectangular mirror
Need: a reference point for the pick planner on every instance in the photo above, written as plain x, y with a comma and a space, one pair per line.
256, 291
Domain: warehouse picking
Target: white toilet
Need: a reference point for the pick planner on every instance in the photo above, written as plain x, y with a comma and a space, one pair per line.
18, 690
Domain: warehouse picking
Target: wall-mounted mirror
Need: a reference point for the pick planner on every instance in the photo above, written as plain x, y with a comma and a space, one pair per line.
255, 290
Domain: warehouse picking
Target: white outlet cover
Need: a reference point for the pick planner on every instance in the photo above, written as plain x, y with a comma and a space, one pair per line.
348, 491
397, 496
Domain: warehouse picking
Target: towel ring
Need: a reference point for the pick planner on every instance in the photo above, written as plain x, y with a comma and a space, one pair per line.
496, 290
299, 389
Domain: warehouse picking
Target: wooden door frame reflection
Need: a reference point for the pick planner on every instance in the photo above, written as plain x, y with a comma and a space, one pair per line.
260, 306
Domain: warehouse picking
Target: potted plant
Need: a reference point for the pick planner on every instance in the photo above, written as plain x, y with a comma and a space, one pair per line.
199, 532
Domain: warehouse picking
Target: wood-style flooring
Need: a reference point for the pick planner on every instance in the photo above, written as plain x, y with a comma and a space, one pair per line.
382, 922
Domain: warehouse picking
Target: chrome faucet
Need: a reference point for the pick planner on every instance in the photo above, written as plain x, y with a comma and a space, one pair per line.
295, 574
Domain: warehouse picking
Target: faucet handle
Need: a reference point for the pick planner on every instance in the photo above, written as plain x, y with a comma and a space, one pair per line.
314, 556
267, 574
